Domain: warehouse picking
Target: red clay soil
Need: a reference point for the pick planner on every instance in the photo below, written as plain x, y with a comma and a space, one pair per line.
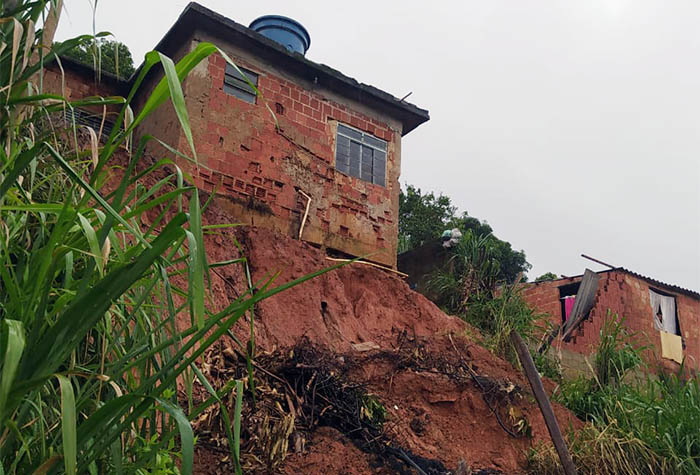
329, 452
429, 414
354, 304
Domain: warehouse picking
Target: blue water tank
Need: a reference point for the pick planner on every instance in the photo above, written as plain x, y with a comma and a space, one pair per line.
285, 31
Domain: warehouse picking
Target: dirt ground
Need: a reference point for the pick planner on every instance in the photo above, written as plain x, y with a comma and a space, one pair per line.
355, 372
396, 345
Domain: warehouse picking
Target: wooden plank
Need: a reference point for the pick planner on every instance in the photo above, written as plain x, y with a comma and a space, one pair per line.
543, 401
585, 298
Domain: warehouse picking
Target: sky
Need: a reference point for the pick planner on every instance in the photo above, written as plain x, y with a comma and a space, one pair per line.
570, 127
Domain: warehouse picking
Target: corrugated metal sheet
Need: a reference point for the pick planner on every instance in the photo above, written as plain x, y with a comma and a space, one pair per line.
658, 283
674, 288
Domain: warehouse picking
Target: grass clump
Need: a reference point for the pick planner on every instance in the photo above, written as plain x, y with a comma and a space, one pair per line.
91, 283
469, 286
637, 425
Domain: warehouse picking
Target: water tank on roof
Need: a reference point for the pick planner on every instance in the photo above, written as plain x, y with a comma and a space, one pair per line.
285, 31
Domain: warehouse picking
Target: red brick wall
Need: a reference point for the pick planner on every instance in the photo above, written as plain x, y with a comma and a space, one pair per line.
258, 169
623, 294
76, 83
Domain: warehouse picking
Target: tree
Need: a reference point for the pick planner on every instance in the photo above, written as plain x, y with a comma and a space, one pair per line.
105, 54
547, 276
424, 217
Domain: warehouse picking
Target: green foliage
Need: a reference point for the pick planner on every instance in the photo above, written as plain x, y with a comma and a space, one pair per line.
601, 452
498, 316
105, 55
373, 410
547, 276
615, 355
547, 365
469, 275
90, 353
467, 286
423, 217
650, 425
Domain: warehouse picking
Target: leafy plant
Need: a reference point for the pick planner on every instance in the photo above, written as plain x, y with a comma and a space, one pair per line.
105, 55
547, 276
468, 276
90, 291
615, 355
638, 425
423, 217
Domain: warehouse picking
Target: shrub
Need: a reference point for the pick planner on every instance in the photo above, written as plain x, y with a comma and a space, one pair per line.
645, 425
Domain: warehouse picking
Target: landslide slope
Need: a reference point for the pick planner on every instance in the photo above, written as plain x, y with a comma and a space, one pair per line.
359, 333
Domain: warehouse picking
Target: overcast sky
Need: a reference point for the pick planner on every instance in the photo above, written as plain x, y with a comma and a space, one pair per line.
571, 127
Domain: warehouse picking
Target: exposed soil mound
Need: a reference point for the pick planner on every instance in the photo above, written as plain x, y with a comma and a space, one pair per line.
355, 373
353, 341
351, 305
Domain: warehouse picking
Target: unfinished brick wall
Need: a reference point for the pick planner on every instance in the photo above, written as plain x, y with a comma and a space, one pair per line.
626, 295
259, 169
76, 82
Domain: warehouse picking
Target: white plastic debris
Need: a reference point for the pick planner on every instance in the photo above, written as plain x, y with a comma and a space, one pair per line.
451, 238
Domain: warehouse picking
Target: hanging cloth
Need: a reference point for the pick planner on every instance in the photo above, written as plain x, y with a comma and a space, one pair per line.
568, 306
664, 307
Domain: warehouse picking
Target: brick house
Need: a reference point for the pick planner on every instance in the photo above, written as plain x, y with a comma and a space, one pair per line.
331, 151
664, 317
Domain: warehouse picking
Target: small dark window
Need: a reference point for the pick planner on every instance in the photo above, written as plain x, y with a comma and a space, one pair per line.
360, 155
567, 297
236, 85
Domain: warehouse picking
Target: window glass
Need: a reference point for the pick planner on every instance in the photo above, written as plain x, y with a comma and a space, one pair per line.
361, 155
374, 142
379, 168
342, 154
355, 154
352, 133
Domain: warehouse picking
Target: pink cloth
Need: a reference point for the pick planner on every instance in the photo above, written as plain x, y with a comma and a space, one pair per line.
568, 306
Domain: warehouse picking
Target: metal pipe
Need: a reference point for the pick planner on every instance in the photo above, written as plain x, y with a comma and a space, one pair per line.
306, 212
597, 261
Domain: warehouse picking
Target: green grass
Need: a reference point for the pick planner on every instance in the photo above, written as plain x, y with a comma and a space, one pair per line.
647, 425
90, 353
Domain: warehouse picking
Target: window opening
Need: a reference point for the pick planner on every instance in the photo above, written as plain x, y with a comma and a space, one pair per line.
664, 310
567, 298
360, 155
236, 85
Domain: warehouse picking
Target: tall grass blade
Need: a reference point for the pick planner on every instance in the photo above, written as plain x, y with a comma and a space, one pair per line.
186, 434
198, 260
13, 339
68, 425
237, 426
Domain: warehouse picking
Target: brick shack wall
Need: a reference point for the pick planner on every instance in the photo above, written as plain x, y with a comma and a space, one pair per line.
626, 295
75, 84
257, 169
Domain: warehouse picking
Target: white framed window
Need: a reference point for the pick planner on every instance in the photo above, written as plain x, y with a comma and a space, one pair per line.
236, 85
361, 155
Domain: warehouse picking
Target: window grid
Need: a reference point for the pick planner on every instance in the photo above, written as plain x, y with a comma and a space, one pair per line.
360, 155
